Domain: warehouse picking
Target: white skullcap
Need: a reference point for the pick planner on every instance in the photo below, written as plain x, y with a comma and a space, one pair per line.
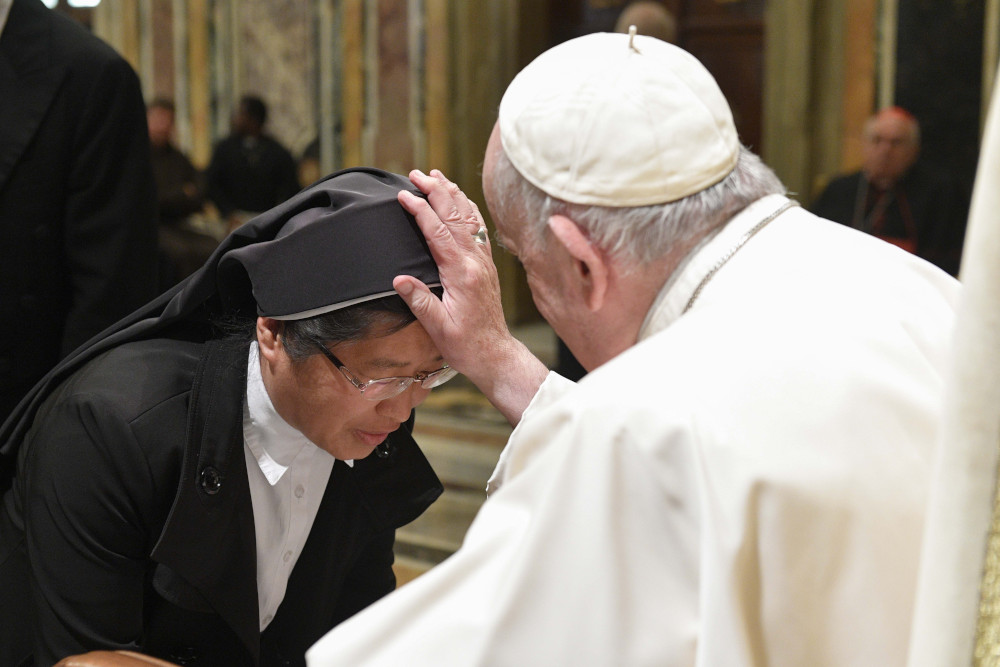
604, 121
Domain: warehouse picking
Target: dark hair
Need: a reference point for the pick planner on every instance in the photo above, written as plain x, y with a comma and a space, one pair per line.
379, 317
161, 103
255, 108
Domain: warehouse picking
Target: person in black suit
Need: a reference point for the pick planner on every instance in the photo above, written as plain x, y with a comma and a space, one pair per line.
896, 197
250, 171
217, 480
77, 200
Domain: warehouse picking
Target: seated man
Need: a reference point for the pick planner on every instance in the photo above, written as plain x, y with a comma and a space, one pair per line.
183, 249
199, 484
896, 197
250, 171
741, 478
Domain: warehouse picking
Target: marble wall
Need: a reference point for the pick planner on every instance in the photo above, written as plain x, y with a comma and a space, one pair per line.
395, 84
274, 43
301, 57
161, 50
394, 117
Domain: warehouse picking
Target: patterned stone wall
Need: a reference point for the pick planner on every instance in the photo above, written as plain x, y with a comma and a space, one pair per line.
394, 115
162, 49
275, 43
396, 84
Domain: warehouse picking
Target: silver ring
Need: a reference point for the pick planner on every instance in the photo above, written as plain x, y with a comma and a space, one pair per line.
480, 235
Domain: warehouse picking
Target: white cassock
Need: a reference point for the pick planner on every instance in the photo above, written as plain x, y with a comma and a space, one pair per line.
744, 486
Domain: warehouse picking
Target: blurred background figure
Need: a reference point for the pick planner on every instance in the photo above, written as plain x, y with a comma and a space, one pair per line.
309, 169
77, 201
250, 171
649, 18
898, 198
178, 197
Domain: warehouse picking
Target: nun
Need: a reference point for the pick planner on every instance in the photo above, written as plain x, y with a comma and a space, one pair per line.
217, 479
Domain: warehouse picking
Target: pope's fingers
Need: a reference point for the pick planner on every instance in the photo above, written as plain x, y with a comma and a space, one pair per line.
423, 182
433, 315
442, 198
467, 209
426, 306
439, 236
451, 204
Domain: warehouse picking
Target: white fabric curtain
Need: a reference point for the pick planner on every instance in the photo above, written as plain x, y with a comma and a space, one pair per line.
965, 479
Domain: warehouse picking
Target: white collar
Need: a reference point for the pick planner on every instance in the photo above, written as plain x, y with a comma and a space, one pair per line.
700, 262
273, 442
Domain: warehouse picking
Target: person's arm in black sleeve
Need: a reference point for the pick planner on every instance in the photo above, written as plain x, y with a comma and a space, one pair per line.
181, 193
88, 504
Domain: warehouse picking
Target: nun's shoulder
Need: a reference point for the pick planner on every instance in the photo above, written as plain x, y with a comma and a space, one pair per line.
136, 376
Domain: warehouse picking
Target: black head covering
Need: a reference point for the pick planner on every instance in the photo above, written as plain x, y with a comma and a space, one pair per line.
338, 242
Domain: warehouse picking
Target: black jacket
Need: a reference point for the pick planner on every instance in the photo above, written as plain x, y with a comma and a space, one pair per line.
139, 526
937, 207
130, 497
250, 174
77, 200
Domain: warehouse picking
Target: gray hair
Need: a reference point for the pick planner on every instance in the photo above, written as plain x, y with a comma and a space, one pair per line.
641, 234
386, 316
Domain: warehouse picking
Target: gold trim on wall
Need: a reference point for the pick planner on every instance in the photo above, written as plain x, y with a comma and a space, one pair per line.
370, 67
858, 99
328, 84
199, 88
416, 37
353, 77
888, 16
437, 86
788, 94
144, 35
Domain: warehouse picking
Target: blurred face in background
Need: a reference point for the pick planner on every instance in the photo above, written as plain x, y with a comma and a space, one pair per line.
891, 146
161, 125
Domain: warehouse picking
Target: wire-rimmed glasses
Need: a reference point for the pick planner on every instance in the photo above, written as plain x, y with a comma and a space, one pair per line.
383, 388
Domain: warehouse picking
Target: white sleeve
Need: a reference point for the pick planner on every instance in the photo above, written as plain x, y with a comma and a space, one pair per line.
551, 390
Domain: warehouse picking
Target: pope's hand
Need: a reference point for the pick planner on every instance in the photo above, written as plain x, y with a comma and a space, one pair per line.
467, 324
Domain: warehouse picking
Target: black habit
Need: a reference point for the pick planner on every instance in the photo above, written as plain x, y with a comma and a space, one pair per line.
131, 455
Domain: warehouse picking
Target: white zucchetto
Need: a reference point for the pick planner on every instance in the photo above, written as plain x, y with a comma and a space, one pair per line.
618, 120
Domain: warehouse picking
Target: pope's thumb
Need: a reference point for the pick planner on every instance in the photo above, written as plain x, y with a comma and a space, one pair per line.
403, 287
413, 293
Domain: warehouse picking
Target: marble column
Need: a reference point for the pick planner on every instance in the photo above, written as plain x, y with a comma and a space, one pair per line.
158, 48
394, 140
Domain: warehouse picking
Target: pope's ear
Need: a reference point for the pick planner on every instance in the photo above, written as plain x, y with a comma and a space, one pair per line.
590, 264
269, 336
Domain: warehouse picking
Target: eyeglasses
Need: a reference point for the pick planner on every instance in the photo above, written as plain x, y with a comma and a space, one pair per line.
383, 388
